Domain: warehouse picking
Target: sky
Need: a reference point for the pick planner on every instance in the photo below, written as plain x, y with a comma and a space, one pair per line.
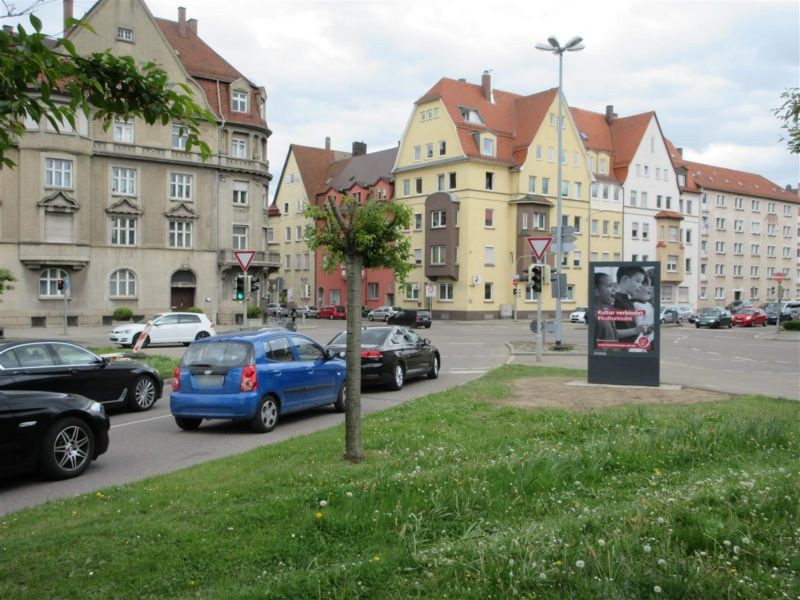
352, 69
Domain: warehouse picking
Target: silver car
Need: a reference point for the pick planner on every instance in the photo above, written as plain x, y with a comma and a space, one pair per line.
382, 313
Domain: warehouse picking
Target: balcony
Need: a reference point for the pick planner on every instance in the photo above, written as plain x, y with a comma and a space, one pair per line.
261, 260
68, 256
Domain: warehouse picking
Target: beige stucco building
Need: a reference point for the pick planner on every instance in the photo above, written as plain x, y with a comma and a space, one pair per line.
126, 216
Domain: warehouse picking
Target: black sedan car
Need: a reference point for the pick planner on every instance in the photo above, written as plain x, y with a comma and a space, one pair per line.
67, 367
57, 435
411, 318
713, 317
391, 355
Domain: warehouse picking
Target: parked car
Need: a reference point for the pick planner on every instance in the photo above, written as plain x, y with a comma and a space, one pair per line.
392, 355
67, 367
750, 317
787, 311
382, 313
579, 315
738, 305
715, 317
686, 313
411, 318
166, 328
332, 312
276, 309
256, 376
670, 314
56, 434
310, 312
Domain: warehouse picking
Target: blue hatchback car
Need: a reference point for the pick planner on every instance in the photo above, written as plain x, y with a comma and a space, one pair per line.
255, 376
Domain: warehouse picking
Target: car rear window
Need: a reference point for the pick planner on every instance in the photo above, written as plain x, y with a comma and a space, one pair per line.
370, 336
219, 354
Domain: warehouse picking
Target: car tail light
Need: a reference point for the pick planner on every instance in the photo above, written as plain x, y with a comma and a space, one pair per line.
249, 380
371, 354
212, 326
176, 380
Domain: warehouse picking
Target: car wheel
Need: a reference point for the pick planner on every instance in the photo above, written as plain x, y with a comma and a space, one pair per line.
663, 321
201, 335
428, 326
341, 399
764, 324
434, 372
697, 325
67, 449
370, 318
142, 394
399, 377
188, 423
266, 416
730, 324
135, 339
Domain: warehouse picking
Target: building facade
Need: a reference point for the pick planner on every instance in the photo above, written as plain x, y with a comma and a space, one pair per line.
127, 217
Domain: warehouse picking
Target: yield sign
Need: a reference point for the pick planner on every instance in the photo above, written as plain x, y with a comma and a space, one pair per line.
244, 258
539, 246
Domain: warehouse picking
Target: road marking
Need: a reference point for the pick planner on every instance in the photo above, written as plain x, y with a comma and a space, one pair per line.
459, 372
140, 421
465, 343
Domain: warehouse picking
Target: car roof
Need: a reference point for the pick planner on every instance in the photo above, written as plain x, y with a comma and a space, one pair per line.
248, 335
9, 342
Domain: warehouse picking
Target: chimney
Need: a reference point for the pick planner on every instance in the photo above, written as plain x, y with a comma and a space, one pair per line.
327, 142
680, 152
68, 12
182, 20
486, 86
610, 114
191, 25
359, 148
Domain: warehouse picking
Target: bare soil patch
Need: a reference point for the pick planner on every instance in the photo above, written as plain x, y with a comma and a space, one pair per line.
575, 394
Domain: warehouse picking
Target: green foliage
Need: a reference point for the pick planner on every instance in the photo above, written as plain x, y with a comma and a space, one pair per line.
791, 325
163, 364
459, 496
37, 80
373, 230
6, 279
789, 115
123, 313
194, 309
253, 312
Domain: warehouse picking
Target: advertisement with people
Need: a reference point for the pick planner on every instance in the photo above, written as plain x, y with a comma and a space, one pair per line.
623, 306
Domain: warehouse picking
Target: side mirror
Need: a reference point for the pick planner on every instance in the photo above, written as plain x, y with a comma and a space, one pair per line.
102, 361
426, 342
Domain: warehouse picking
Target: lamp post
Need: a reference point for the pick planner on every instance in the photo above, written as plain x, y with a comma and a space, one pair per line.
553, 46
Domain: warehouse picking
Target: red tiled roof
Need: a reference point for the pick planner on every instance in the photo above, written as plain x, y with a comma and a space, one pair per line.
313, 164
627, 134
737, 182
212, 72
668, 214
595, 129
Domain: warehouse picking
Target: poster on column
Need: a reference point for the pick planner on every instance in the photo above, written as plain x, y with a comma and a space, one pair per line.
623, 325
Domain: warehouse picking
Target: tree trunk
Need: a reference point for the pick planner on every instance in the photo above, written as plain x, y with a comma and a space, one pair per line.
354, 447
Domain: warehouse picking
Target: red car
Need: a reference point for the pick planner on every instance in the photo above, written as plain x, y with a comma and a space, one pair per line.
332, 312
750, 317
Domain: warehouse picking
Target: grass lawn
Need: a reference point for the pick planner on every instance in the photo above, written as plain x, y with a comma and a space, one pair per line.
458, 498
165, 365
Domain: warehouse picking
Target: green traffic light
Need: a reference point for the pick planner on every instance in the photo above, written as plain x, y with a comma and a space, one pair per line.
240, 295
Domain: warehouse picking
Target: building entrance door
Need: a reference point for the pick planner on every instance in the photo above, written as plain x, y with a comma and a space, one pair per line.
182, 289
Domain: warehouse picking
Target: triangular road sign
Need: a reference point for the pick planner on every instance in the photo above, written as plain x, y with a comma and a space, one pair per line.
244, 258
539, 246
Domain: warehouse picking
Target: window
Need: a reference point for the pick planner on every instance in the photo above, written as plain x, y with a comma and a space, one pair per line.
446, 291
721, 200
418, 256
488, 218
754, 272
180, 186
771, 208
488, 255
440, 182
738, 249
417, 221
576, 258
672, 264
487, 146
406, 187
122, 283
412, 291
58, 173
239, 101
787, 252
673, 233
442, 148
298, 261
644, 200
658, 201
123, 231
634, 230
564, 189
288, 261
269, 235
688, 236
755, 206
438, 219
452, 177
545, 185
688, 265
771, 251
306, 261
738, 203
563, 157
576, 223
647, 171
576, 159
372, 291
605, 227
180, 136
720, 223
787, 231
577, 190
298, 233
633, 195
771, 229
286, 207
238, 146
488, 292
417, 153
720, 247
240, 237
489, 180
538, 220
754, 250
538, 152
532, 184
719, 270
287, 234
437, 255
738, 226
48, 283
550, 154
604, 166
123, 132
240, 192
737, 271
755, 227
719, 293
418, 185
595, 224
570, 293
124, 34
645, 231
180, 234
123, 181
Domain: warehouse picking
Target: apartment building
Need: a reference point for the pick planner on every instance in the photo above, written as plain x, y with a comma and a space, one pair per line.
127, 217
478, 168
322, 175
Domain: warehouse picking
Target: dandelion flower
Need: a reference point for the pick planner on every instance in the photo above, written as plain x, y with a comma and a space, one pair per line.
542, 576
662, 562
736, 549
647, 549
745, 540
601, 542
657, 589
323, 503
349, 494
558, 562
318, 514
580, 564
376, 558
727, 543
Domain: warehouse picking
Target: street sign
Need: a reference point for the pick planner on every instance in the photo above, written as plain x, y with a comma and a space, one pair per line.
430, 290
565, 230
779, 277
244, 258
539, 246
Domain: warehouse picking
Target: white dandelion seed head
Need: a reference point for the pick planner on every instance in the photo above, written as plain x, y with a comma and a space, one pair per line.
745, 540
580, 564
601, 542
736, 549
323, 503
657, 589
727, 543
542, 576
660, 520
647, 548
662, 562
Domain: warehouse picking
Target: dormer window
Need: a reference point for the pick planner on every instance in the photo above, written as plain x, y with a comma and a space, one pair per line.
124, 34
239, 102
470, 115
487, 146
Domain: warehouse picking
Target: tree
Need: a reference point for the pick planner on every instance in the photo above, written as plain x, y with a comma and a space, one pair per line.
39, 77
789, 114
359, 236
6, 279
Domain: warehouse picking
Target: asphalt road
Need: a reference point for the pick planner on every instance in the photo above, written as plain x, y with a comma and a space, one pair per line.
748, 361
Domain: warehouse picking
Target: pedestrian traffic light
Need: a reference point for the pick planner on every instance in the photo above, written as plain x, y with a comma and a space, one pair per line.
60, 284
254, 285
535, 278
240, 287
515, 290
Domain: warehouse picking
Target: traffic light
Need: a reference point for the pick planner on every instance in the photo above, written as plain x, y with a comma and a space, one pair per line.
515, 290
60, 284
240, 287
254, 285
535, 278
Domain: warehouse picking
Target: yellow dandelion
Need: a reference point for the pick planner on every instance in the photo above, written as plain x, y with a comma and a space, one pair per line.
318, 514
376, 558
558, 563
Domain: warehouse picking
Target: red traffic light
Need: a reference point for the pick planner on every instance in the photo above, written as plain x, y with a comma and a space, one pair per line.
60, 284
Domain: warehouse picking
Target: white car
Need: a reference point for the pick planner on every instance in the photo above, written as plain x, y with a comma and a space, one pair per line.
579, 315
165, 328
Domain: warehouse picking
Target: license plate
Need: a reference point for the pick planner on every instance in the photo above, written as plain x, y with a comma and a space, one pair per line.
209, 380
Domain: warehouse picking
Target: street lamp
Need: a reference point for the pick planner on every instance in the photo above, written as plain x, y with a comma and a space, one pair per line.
553, 46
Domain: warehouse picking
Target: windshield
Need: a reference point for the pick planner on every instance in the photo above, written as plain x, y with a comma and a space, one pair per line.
708, 311
370, 336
